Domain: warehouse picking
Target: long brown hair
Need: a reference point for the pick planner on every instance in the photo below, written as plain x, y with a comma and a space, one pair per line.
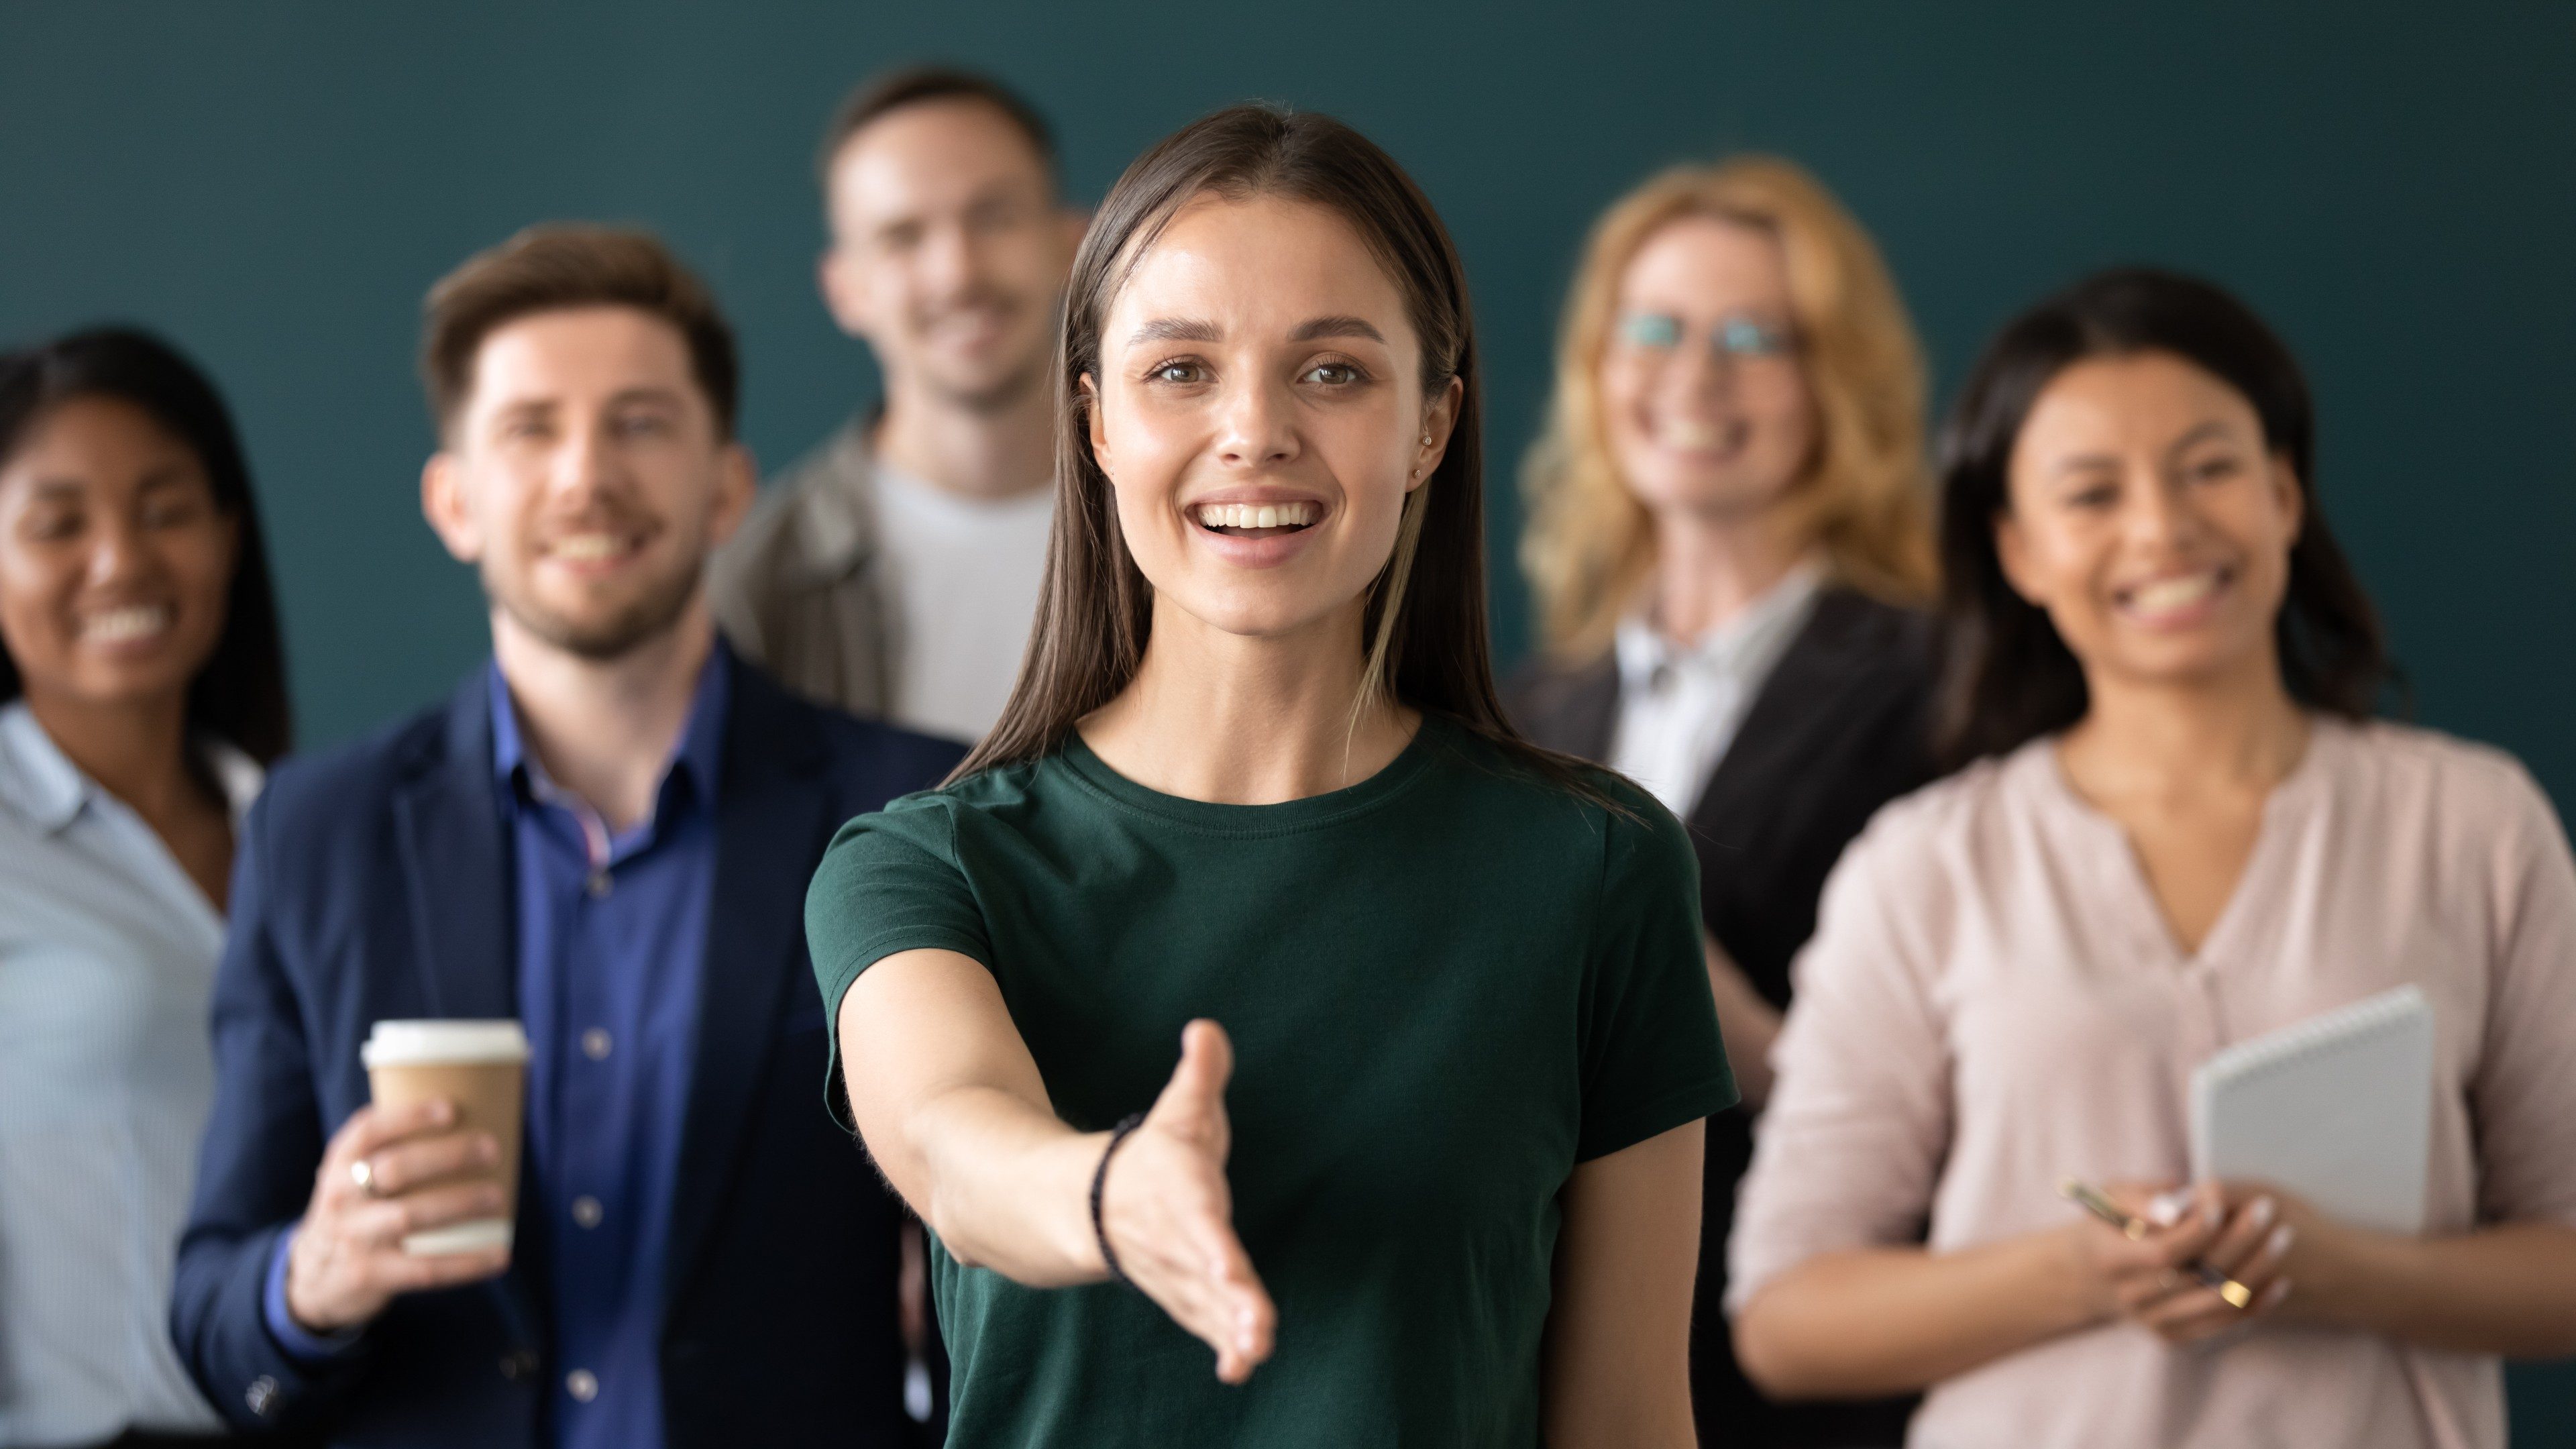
1865, 497
1424, 625
2008, 678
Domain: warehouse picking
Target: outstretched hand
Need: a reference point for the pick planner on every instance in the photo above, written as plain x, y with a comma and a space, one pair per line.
1169, 1214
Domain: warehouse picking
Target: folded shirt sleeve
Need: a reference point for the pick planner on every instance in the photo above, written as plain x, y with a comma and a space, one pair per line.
1851, 1143
890, 882
1652, 1056
2523, 1092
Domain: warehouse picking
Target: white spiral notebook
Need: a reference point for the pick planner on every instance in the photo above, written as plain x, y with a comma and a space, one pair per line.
2337, 1109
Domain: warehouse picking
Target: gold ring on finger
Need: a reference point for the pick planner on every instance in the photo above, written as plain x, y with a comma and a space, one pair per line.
363, 1173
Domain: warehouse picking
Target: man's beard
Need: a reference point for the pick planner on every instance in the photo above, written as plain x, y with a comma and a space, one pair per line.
999, 395
640, 622
988, 396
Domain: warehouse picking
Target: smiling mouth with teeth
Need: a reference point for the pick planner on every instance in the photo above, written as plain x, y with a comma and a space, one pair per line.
590, 547
1255, 520
127, 624
2168, 595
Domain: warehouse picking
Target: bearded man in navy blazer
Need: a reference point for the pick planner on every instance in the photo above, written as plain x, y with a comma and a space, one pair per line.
605, 834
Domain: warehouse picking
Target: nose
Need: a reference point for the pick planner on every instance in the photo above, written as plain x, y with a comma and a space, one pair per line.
950, 261
1697, 368
1257, 425
586, 462
116, 553
2158, 515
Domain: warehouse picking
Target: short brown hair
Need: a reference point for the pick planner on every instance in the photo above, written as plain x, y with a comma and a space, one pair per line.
915, 85
561, 265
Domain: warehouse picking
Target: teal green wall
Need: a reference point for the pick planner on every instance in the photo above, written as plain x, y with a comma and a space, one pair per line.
275, 184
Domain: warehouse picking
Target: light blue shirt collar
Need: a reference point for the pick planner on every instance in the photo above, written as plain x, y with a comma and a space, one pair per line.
40, 783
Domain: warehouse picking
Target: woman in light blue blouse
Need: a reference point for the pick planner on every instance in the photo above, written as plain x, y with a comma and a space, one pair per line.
142, 688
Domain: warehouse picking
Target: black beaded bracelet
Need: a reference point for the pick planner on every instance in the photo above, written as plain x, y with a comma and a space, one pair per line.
1099, 1180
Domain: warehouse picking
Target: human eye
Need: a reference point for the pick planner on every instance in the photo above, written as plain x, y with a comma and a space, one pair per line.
643, 423
2215, 468
173, 511
1657, 330
1751, 337
52, 523
1336, 374
1177, 372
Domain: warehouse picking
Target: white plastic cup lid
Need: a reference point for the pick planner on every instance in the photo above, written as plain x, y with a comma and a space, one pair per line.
418, 1043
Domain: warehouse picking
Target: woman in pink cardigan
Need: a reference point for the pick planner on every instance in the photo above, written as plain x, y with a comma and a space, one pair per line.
2181, 829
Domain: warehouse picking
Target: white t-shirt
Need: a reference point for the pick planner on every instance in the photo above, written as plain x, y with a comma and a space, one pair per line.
962, 576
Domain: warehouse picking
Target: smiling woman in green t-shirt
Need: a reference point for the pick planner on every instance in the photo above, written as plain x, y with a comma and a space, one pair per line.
1427, 1170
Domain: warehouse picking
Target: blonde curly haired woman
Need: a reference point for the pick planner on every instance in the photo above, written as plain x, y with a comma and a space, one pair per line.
1729, 535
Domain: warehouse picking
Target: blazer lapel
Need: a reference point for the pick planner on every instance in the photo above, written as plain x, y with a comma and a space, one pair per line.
456, 863
771, 819
456, 868
1806, 688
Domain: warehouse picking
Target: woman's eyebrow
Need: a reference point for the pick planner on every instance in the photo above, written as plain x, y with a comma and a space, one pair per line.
1175, 329
2214, 428
1323, 327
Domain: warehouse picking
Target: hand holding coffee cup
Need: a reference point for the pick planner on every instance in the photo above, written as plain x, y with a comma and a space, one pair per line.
417, 1190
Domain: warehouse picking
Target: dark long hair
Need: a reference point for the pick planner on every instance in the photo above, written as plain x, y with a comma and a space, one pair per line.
1424, 626
2007, 678
239, 695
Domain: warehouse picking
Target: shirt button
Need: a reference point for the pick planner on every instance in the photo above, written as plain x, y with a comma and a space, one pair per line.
586, 1211
599, 885
595, 1043
582, 1384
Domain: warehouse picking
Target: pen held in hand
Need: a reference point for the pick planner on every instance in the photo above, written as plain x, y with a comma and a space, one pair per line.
2091, 1199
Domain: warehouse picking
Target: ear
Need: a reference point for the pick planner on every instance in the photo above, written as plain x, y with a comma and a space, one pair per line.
1092, 420
444, 503
840, 278
2288, 497
1439, 420
737, 484
2012, 554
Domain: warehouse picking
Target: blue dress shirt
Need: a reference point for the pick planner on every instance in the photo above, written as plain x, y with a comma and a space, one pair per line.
612, 932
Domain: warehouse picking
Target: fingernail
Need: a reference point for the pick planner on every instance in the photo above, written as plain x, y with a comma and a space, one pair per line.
2263, 1211
488, 1149
2166, 1209
442, 1111
2281, 1239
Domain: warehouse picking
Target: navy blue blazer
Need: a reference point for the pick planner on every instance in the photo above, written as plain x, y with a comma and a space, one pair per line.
375, 882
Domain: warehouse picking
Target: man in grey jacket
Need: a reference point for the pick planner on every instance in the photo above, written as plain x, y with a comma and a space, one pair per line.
893, 571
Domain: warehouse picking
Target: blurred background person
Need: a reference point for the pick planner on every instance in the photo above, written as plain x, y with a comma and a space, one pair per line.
894, 570
604, 833
2183, 830
145, 689
1729, 538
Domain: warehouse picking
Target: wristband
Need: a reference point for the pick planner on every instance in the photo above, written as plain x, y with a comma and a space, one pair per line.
1099, 1180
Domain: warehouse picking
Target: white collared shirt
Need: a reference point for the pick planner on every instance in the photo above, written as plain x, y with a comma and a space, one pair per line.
107, 967
1681, 704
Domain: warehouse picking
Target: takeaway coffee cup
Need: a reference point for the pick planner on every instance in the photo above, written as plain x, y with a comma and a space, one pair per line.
482, 1067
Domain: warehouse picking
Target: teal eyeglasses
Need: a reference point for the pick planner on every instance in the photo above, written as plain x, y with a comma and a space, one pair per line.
1733, 338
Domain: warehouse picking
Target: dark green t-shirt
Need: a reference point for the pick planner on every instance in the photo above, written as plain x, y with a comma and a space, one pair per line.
1446, 985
